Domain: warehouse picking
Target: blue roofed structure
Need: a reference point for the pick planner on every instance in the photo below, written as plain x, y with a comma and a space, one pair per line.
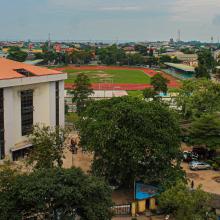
143, 191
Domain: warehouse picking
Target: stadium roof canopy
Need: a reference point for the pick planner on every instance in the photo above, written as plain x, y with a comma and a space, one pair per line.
182, 67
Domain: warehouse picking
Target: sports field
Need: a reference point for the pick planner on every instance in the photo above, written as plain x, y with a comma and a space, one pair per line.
110, 76
116, 77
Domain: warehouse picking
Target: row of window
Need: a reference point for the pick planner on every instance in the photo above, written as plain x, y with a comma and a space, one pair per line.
57, 104
2, 136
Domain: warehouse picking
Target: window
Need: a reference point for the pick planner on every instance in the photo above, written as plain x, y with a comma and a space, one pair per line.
20, 154
57, 104
24, 72
2, 135
26, 111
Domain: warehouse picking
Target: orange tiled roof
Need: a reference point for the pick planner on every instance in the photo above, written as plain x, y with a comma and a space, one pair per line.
8, 69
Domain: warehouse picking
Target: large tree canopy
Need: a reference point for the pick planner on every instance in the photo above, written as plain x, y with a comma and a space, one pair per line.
202, 72
206, 64
205, 131
186, 204
111, 55
197, 97
52, 193
131, 139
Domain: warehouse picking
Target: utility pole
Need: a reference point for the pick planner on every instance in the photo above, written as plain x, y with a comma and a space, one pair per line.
178, 36
49, 41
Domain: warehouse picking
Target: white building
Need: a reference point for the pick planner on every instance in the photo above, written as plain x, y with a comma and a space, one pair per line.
97, 95
28, 95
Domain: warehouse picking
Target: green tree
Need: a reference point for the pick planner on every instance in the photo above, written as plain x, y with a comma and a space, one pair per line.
165, 58
39, 56
81, 57
130, 139
186, 204
48, 146
15, 53
206, 64
204, 131
202, 72
54, 194
188, 51
141, 49
149, 93
197, 97
111, 55
151, 61
134, 59
50, 56
175, 60
159, 83
7, 204
66, 108
82, 92
206, 58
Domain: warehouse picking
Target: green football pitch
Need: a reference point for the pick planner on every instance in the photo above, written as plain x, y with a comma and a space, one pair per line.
110, 76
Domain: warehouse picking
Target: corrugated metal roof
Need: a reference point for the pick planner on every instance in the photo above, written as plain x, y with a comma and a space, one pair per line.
181, 67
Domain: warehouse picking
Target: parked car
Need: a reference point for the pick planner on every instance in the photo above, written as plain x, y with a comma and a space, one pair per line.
198, 165
189, 156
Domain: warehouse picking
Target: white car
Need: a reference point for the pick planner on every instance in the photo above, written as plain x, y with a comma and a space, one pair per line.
197, 165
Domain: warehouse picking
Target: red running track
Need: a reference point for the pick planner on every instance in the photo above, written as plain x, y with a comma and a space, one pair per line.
174, 83
118, 86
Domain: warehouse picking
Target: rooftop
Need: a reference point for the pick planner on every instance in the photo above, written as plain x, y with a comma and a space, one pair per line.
181, 67
10, 69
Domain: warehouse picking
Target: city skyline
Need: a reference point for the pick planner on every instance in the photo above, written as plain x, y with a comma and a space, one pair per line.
123, 20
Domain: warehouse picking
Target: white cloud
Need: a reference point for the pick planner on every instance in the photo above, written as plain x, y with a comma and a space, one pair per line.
195, 10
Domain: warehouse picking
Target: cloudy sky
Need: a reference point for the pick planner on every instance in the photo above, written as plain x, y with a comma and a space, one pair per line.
110, 19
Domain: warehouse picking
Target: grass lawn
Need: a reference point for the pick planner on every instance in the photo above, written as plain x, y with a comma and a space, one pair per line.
136, 93
112, 76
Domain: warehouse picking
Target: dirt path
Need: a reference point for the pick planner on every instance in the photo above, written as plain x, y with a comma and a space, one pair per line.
205, 178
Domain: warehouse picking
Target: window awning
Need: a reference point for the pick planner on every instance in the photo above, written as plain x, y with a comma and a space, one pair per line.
21, 147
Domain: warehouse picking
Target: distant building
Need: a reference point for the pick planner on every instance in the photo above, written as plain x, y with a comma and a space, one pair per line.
59, 48
187, 59
130, 50
28, 95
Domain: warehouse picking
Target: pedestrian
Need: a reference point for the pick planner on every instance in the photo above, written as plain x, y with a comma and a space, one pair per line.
192, 184
73, 146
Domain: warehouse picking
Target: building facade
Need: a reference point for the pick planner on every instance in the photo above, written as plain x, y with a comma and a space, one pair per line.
29, 95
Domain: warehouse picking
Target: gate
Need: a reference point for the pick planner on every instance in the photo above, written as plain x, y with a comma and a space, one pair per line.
121, 209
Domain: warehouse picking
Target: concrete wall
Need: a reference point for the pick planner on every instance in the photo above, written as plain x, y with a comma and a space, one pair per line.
44, 110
